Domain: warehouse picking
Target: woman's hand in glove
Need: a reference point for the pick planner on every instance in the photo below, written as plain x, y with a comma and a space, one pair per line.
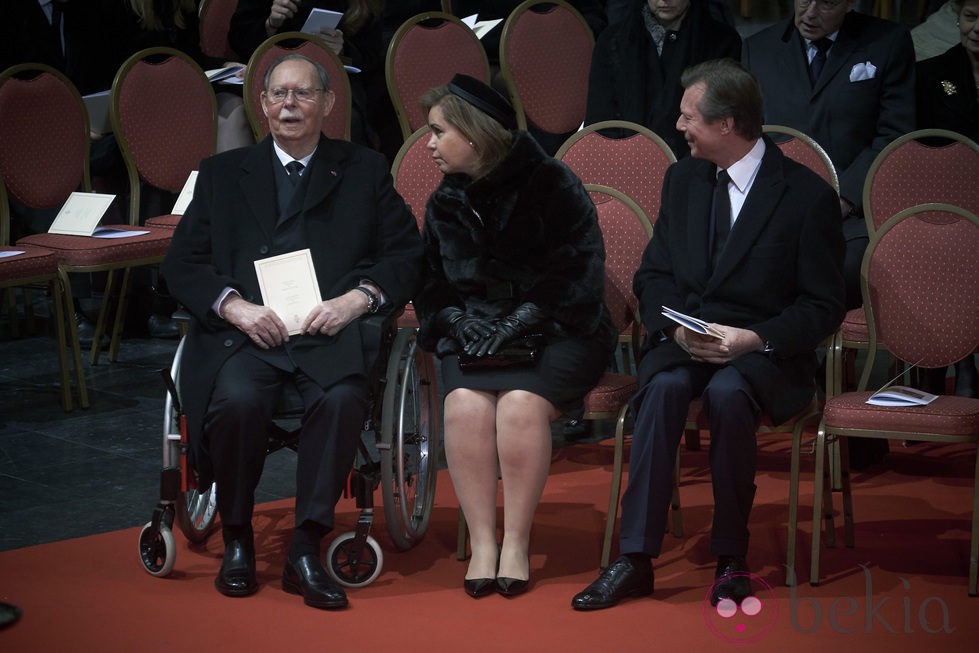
518, 323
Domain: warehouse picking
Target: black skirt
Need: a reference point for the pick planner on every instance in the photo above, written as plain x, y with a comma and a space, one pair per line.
566, 370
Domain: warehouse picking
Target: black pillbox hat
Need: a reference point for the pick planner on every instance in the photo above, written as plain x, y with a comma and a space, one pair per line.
484, 98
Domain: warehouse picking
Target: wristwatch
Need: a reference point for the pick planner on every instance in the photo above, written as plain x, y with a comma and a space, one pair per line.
373, 301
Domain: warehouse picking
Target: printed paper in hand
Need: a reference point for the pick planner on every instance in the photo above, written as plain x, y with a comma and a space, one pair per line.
320, 19
692, 323
186, 194
289, 287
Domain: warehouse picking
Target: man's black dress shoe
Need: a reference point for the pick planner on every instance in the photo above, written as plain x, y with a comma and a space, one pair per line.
162, 326
624, 578
237, 575
511, 586
478, 587
731, 580
308, 578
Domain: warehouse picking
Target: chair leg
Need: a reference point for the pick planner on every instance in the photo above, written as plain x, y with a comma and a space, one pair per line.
848, 531
93, 356
615, 487
120, 316
60, 343
675, 501
76, 350
817, 504
793, 525
974, 548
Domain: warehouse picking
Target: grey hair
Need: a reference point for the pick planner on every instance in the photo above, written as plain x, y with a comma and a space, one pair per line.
320, 70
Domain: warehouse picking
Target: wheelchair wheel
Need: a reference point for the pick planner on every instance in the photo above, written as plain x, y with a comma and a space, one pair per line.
352, 565
157, 549
409, 440
196, 511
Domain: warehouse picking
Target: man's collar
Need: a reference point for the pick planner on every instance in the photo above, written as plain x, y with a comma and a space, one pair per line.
285, 158
744, 169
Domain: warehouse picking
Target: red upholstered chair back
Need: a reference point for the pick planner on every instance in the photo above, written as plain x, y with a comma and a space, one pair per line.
425, 52
44, 141
803, 149
415, 174
545, 57
929, 165
337, 124
164, 116
921, 285
626, 230
634, 165
215, 22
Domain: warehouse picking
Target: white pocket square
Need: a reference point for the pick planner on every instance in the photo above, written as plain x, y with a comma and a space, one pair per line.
862, 71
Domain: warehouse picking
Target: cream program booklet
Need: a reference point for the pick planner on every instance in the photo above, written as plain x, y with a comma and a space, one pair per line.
692, 323
289, 287
81, 214
186, 194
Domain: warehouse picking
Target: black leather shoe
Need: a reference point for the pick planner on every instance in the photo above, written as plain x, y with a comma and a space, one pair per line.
731, 580
237, 575
308, 578
511, 586
478, 587
86, 330
622, 579
162, 326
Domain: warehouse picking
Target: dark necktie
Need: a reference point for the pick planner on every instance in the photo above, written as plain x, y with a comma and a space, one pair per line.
819, 59
294, 168
721, 214
56, 26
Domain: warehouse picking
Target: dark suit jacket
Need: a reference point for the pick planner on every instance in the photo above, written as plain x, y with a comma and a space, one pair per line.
621, 86
355, 223
946, 93
852, 120
780, 274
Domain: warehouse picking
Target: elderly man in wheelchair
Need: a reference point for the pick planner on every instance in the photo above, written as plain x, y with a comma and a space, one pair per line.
356, 243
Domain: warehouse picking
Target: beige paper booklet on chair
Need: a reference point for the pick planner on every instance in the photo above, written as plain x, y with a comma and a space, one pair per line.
80, 216
289, 286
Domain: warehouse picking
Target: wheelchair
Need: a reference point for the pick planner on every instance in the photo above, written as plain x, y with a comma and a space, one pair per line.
399, 450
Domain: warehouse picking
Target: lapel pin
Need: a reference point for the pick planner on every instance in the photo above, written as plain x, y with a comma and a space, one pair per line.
948, 87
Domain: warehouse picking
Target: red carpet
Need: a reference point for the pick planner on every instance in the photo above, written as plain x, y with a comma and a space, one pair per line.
903, 588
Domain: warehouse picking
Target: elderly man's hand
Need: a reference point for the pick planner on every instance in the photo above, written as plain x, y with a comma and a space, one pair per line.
260, 323
331, 316
707, 349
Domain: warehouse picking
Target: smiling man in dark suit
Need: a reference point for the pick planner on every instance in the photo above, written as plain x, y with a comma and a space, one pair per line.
749, 241
294, 190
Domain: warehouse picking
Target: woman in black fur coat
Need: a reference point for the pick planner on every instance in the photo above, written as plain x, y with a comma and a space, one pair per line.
513, 249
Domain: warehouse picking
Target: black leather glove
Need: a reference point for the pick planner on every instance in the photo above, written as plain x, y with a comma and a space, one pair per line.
462, 327
518, 323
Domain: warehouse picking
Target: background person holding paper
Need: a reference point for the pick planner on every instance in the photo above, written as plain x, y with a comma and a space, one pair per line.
357, 40
365, 248
773, 286
512, 248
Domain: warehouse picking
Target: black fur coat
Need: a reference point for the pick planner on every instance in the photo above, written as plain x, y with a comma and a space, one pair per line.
525, 232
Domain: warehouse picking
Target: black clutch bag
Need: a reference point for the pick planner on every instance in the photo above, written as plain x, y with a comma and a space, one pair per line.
521, 352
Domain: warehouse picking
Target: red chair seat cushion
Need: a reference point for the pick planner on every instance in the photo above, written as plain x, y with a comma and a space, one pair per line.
611, 392
164, 221
34, 262
85, 251
947, 415
854, 326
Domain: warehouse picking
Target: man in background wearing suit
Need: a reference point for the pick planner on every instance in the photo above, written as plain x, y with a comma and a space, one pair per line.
294, 190
845, 79
749, 241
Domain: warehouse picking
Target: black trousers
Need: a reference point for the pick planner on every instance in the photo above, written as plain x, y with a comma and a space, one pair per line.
242, 404
733, 415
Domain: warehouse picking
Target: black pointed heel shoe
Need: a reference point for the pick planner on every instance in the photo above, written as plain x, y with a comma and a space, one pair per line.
511, 586
478, 587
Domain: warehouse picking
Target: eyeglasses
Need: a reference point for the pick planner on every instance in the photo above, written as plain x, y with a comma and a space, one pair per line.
279, 95
822, 6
